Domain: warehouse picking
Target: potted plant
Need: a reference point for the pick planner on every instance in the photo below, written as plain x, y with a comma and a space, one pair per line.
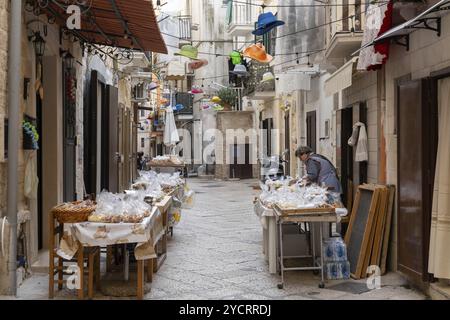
30, 136
228, 97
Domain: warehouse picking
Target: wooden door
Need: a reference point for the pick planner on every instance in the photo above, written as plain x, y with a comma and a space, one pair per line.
69, 135
90, 136
417, 141
110, 139
121, 148
346, 155
311, 130
241, 167
40, 197
267, 126
134, 141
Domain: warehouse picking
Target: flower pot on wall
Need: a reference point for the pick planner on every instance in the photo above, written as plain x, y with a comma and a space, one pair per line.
227, 107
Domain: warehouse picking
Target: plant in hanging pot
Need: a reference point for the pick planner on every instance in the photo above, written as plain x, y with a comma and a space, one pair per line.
30, 136
228, 97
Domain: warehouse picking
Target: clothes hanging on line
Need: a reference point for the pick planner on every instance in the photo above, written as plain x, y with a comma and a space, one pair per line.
359, 138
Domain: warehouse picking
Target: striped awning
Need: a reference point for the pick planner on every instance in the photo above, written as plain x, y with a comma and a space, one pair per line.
118, 23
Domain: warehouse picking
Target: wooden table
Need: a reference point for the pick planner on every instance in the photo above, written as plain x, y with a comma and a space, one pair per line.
309, 215
161, 248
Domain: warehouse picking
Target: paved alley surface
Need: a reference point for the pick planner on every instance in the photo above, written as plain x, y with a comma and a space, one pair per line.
216, 253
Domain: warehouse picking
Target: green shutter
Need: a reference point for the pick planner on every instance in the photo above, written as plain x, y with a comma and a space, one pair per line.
229, 15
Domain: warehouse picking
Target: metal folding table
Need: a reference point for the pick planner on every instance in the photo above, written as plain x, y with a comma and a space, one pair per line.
310, 215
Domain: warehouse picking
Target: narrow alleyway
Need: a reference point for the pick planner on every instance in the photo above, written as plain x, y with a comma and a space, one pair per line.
216, 253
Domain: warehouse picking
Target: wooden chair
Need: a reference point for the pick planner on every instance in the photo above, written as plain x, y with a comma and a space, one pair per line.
84, 256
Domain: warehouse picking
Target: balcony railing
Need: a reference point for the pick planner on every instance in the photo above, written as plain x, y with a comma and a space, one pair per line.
239, 96
348, 17
240, 15
185, 27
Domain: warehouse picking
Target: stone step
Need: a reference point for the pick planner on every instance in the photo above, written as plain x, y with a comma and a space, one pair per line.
440, 291
41, 264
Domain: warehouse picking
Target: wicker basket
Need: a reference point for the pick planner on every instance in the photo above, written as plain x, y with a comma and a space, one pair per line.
70, 215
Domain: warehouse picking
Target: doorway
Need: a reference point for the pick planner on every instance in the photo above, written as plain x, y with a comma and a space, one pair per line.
40, 208
346, 165
417, 129
69, 134
311, 130
287, 143
267, 126
241, 166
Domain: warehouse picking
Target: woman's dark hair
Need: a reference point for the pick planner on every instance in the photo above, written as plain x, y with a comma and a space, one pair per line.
303, 150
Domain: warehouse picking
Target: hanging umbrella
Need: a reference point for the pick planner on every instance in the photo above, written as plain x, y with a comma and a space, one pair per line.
171, 136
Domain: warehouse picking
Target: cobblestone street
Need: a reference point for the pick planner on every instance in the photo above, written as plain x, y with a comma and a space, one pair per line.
216, 253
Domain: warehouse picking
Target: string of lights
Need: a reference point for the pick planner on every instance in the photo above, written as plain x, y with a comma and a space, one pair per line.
297, 59
292, 33
226, 55
322, 4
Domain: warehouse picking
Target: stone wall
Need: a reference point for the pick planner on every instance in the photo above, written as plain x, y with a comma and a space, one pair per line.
4, 25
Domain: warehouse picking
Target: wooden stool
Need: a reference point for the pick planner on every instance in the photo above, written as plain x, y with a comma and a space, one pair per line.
89, 256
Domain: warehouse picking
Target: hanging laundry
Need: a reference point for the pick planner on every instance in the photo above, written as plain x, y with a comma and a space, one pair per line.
31, 182
359, 138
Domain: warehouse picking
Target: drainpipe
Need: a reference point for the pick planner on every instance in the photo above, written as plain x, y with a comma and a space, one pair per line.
14, 76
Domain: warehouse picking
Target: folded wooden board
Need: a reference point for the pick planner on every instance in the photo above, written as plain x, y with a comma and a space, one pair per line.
297, 211
359, 230
387, 231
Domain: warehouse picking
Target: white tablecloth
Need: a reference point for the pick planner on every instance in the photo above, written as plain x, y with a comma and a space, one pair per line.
93, 234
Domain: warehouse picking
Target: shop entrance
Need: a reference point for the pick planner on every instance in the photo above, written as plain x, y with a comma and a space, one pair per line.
101, 135
417, 149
